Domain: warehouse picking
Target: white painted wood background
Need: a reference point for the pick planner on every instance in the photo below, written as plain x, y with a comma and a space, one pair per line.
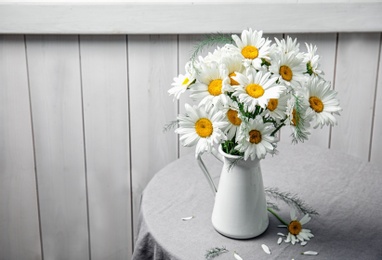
81, 119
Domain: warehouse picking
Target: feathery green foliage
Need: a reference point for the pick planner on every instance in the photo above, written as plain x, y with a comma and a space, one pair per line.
210, 40
216, 251
271, 205
292, 200
300, 135
170, 125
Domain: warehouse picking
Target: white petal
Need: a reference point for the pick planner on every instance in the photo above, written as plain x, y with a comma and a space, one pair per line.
187, 218
294, 239
281, 234
310, 253
280, 240
304, 243
293, 214
299, 237
237, 257
305, 219
307, 233
304, 235
266, 249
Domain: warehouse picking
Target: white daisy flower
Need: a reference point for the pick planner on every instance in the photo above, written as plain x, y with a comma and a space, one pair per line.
182, 82
254, 138
289, 68
180, 85
201, 128
209, 85
253, 47
256, 88
286, 46
277, 107
232, 116
234, 65
296, 232
322, 102
312, 61
216, 55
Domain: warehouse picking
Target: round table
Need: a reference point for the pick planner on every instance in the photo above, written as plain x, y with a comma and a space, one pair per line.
344, 190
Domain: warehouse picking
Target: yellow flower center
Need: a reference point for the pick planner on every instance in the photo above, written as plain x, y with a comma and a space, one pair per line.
203, 127
294, 227
185, 81
272, 104
296, 118
286, 73
254, 136
232, 81
250, 52
215, 87
254, 90
233, 118
316, 104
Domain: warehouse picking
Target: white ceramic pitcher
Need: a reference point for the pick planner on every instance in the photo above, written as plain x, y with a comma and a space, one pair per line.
240, 209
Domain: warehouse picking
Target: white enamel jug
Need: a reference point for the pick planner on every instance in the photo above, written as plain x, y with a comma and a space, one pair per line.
240, 209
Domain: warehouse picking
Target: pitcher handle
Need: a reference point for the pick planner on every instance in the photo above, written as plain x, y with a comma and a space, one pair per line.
217, 155
205, 170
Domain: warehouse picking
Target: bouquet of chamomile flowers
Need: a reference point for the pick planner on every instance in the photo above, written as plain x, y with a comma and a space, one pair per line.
247, 90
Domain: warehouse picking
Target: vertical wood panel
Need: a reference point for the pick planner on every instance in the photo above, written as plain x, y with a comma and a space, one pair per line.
104, 76
152, 66
57, 120
376, 145
19, 225
356, 74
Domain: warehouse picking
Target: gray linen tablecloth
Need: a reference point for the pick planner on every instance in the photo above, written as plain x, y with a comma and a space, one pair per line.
344, 190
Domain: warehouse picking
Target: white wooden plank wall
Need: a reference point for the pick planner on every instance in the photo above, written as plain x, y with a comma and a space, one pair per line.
19, 216
56, 105
358, 70
106, 136
152, 65
81, 131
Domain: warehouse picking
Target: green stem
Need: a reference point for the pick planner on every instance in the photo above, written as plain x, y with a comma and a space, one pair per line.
277, 216
279, 127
